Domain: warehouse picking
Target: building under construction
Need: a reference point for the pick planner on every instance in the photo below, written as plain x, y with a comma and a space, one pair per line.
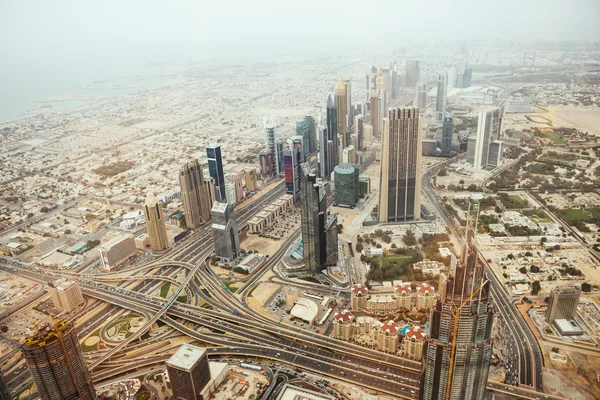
56, 362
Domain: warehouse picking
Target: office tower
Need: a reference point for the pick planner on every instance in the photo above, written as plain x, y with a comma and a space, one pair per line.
368, 133
349, 155
447, 133
412, 73
194, 194
189, 372
395, 82
451, 83
279, 155
382, 97
323, 152
458, 353
230, 192
562, 304
215, 169
307, 128
319, 231
55, 359
155, 224
293, 157
116, 251
400, 176
488, 131
349, 106
341, 103
66, 295
332, 157
496, 153
375, 114
270, 142
4, 392
359, 131
440, 102
467, 77
346, 185
250, 179
421, 97
371, 79
225, 232
266, 164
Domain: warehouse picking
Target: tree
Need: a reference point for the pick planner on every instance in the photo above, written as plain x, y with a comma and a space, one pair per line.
535, 287
586, 287
67, 231
409, 238
498, 210
44, 209
462, 181
359, 247
4, 329
534, 269
544, 239
340, 228
378, 245
393, 246
523, 270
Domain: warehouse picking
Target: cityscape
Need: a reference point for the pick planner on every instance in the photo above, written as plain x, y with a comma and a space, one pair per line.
412, 219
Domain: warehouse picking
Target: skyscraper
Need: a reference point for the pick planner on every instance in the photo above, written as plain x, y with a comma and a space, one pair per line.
215, 169
155, 224
189, 372
349, 106
306, 128
66, 294
225, 232
325, 149
400, 176
56, 362
562, 304
346, 185
319, 231
279, 157
375, 116
395, 83
331, 157
458, 353
341, 103
440, 102
267, 164
382, 96
447, 133
421, 97
359, 131
488, 131
412, 73
194, 194
271, 142
293, 157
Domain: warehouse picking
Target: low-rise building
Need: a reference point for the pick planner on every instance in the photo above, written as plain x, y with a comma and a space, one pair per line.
382, 305
430, 267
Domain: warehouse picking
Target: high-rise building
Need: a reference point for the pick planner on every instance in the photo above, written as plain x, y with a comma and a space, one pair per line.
307, 128
189, 372
375, 114
421, 97
349, 106
266, 164
66, 295
440, 102
346, 185
4, 392
56, 362
331, 157
395, 83
382, 96
358, 297
349, 155
116, 251
225, 232
447, 134
215, 169
293, 157
270, 142
323, 152
495, 156
359, 131
155, 224
250, 179
368, 133
488, 131
412, 73
458, 354
400, 176
194, 194
319, 230
562, 304
279, 146
341, 103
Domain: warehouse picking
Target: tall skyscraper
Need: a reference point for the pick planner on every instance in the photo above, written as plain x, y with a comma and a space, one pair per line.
225, 232
319, 231
306, 128
400, 176
325, 150
395, 83
562, 304
382, 96
155, 224
412, 73
346, 185
349, 106
293, 157
189, 372
421, 97
447, 133
215, 169
341, 103
332, 158
375, 115
488, 131
458, 353
270, 141
359, 131
279, 156
267, 164
194, 194
440, 103
56, 362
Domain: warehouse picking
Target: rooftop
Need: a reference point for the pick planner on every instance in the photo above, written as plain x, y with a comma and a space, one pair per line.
186, 357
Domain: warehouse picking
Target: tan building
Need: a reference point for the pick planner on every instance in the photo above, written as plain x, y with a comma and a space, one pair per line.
116, 251
291, 295
442, 285
382, 305
341, 104
342, 325
562, 304
400, 184
141, 242
155, 224
65, 294
194, 194
368, 133
269, 214
413, 342
425, 296
250, 178
403, 295
387, 337
375, 116
358, 297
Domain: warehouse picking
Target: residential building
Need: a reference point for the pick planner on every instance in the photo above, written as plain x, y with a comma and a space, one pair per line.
387, 337
54, 357
266, 164
425, 296
116, 251
368, 134
358, 297
413, 343
155, 224
342, 325
194, 194
189, 372
66, 295
346, 185
215, 169
562, 304
250, 179
225, 232
400, 176
271, 144
403, 294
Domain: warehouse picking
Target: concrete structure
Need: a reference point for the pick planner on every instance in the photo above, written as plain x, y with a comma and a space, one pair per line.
306, 310
319, 231
429, 147
568, 327
488, 131
358, 297
346, 185
425, 296
562, 304
142, 242
56, 362
382, 99
269, 214
66, 295
225, 232
194, 194
382, 305
189, 372
215, 169
155, 224
375, 114
364, 184
457, 356
414, 340
331, 156
387, 337
116, 251
400, 176
447, 135
342, 325
251, 262
349, 155
441, 98
349, 106
368, 134
496, 153
430, 267
341, 104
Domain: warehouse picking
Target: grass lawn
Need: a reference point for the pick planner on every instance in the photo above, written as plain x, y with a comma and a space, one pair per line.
518, 200
556, 160
574, 214
399, 259
556, 137
536, 215
164, 289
